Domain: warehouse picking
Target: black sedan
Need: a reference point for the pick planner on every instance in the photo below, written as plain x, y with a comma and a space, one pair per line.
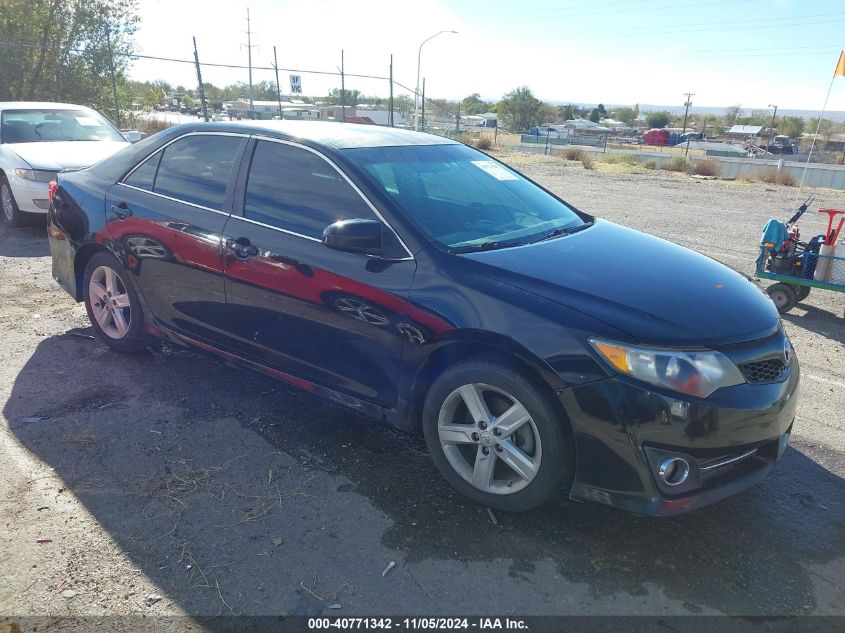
542, 352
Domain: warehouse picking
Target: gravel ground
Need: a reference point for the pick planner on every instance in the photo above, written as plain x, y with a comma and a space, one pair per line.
165, 484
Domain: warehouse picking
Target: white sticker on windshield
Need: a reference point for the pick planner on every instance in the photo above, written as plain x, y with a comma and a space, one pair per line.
87, 121
494, 169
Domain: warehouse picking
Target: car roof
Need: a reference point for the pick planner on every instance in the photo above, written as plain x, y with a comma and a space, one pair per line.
333, 134
39, 105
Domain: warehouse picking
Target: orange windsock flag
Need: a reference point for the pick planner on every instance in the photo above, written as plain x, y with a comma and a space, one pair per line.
840, 66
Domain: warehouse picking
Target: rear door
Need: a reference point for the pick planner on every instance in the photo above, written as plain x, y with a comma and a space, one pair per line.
333, 318
166, 221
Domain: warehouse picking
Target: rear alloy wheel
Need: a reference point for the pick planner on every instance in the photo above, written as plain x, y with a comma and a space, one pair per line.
783, 296
11, 213
112, 305
496, 438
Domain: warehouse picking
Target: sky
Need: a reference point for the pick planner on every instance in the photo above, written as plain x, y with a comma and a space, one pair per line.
749, 52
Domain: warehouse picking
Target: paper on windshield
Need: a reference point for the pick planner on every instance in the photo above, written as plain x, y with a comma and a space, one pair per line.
494, 169
87, 121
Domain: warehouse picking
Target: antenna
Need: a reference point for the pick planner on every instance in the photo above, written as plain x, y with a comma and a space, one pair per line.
249, 46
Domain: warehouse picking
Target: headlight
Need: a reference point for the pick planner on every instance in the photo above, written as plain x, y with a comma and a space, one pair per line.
37, 175
698, 373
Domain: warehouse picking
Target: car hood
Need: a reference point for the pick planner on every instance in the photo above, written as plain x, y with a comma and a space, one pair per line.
656, 291
65, 154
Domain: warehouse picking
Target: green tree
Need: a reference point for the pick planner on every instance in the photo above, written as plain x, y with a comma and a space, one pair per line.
595, 115
519, 109
732, 114
69, 50
792, 126
474, 104
626, 115
658, 119
825, 129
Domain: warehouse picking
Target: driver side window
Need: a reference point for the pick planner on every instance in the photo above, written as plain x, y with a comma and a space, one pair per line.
296, 190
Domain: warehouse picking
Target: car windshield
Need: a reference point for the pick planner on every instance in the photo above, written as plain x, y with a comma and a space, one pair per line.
462, 198
37, 126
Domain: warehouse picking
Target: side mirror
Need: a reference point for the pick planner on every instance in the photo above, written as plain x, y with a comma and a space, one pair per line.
353, 236
133, 137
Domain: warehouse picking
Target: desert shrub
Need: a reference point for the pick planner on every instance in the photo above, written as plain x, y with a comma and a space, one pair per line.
707, 167
151, 126
787, 179
769, 176
650, 164
680, 163
572, 153
465, 138
484, 142
623, 158
586, 161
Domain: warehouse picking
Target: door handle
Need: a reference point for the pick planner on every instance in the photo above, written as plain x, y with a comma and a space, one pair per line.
121, 210
242, 247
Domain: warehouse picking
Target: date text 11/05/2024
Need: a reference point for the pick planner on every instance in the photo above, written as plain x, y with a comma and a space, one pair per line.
419, 624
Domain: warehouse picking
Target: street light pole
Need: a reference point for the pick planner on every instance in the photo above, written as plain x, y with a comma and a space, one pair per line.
417, 91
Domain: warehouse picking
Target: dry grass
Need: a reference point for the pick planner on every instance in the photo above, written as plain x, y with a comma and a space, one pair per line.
707, 167
650, 164
586, 161
680, 164
484, 143
573, 154
786, 179
623, 158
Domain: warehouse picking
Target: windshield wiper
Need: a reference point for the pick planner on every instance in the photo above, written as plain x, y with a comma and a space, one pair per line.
484, 246
563, 230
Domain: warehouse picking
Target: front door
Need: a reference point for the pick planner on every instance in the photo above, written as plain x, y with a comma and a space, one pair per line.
333, 318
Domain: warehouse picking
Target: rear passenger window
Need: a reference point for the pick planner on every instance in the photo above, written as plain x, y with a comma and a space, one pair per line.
145, 175
196, 169
296, 190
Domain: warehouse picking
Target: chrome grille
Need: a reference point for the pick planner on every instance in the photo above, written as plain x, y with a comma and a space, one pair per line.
770, 370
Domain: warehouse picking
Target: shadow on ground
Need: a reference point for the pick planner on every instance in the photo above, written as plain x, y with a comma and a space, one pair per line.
227, 488
25, 241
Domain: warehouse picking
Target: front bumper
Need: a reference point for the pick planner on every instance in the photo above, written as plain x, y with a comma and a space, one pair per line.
31, 196
624, 432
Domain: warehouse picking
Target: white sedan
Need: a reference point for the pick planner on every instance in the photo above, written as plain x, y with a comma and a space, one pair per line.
38, 140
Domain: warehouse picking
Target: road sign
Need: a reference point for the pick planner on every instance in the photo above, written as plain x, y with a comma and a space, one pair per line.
295, 84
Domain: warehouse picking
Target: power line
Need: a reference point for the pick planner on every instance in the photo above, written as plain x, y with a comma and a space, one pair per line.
132, 56
730, 25
603, 11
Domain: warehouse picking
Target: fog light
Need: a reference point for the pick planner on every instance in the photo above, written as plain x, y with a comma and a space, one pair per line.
41, 203
674, 471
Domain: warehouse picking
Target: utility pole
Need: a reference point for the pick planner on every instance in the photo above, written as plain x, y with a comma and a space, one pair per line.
422, 105
390, 113
773, 115
278, 88
249, 57
342, 89
687, 104
199, 82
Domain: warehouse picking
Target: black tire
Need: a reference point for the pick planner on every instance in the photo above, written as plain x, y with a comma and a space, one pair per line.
12, 215
133, 339
556, 467
801, 292
783, 296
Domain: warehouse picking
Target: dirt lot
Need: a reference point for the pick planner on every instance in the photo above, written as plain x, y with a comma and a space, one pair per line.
164, 483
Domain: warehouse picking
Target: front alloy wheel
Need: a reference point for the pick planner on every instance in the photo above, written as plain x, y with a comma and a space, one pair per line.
11, 213
498, 436
489, 438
